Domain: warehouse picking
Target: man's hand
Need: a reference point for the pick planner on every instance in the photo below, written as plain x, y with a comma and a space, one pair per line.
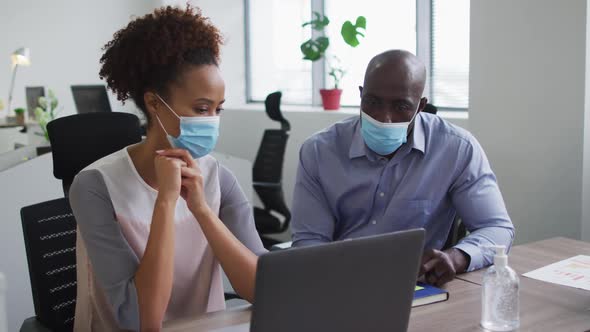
439, 267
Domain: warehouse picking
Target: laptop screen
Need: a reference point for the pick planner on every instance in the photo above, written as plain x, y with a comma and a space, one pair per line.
91, 98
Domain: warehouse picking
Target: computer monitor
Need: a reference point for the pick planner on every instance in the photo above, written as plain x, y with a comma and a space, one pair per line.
91, 98
32, 94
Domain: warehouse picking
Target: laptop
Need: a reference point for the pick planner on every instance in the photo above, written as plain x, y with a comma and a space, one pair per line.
91, 98
33, 93
365, 284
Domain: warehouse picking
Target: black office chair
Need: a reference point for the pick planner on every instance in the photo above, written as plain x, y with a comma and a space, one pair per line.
49, 230
429, 108
79, 140
457, 232
267, 175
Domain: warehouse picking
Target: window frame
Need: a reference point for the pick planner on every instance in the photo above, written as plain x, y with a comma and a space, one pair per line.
423, 51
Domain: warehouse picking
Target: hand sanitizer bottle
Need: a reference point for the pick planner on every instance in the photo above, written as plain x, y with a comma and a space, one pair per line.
3, 321
500, 288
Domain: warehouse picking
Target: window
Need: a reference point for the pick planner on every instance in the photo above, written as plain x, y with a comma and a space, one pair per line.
436, 30
449, 66
275, 63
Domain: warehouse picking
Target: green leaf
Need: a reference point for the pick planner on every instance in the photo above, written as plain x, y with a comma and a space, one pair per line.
323, 43
318, 23
313, 49
361, 22
351, 32
43, 102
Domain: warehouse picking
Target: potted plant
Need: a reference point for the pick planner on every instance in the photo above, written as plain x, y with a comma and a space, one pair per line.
20, 116
331, 97
46, 111
315, 48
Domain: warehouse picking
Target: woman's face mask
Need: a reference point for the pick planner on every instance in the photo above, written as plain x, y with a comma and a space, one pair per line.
198, 134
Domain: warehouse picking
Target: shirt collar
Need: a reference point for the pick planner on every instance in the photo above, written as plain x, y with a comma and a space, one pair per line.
415, 141
357, 145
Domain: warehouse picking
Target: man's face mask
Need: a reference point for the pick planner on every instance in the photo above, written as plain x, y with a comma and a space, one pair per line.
198, 134
384, 138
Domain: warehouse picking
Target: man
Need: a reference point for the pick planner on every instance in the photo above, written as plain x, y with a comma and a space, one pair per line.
396, 168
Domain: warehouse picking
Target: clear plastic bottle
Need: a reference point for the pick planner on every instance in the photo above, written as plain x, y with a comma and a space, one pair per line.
500, 292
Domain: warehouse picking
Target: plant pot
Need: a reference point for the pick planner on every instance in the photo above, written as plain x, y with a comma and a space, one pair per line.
331, 99
20, 119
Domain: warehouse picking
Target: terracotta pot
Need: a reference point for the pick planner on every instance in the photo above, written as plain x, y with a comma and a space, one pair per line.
20, 119
331, 99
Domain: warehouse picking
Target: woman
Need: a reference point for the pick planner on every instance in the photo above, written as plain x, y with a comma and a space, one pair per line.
157, 219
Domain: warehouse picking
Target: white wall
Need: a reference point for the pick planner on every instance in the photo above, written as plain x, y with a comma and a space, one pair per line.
65, 38
586, 166
526, 107
228, 16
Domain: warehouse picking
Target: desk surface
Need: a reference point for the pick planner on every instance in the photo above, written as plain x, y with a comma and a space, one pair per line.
11, 123
546, 306
532, 256
543, 307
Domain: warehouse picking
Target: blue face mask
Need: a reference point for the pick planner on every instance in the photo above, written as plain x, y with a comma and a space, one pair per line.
198, 134
384, 138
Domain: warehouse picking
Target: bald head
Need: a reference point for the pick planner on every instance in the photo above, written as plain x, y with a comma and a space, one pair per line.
394, 80
396, 67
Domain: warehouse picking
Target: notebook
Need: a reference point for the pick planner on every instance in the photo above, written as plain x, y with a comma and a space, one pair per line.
426, 294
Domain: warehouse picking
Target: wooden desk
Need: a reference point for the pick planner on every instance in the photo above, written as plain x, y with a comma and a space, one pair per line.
421, 318
546, 306
543, 306
451, 315
534, 255
212, 321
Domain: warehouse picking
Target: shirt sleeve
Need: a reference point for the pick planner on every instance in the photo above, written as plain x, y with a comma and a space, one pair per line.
313, 221
236, 212
478, 201
113, 261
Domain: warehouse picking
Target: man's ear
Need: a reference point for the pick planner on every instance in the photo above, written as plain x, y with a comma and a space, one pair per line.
423, 102
360, 91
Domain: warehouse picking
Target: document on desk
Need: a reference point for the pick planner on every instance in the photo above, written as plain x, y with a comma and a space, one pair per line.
572, 272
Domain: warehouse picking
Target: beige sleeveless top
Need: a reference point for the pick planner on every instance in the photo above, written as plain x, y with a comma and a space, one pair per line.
197, 286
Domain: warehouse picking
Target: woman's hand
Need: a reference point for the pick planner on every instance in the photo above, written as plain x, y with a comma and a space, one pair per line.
168, 176
192, 181
238, 262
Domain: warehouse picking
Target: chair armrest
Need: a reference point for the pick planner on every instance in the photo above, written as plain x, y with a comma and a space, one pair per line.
31, 324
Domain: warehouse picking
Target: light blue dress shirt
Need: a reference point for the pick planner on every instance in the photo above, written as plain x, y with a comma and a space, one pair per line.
344, 190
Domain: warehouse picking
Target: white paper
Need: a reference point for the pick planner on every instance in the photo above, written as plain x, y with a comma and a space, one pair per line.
572, 272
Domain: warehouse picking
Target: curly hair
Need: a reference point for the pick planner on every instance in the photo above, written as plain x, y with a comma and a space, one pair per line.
152, 51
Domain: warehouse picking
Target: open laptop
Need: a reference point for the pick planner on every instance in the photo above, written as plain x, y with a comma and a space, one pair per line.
91, 98
364, 284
